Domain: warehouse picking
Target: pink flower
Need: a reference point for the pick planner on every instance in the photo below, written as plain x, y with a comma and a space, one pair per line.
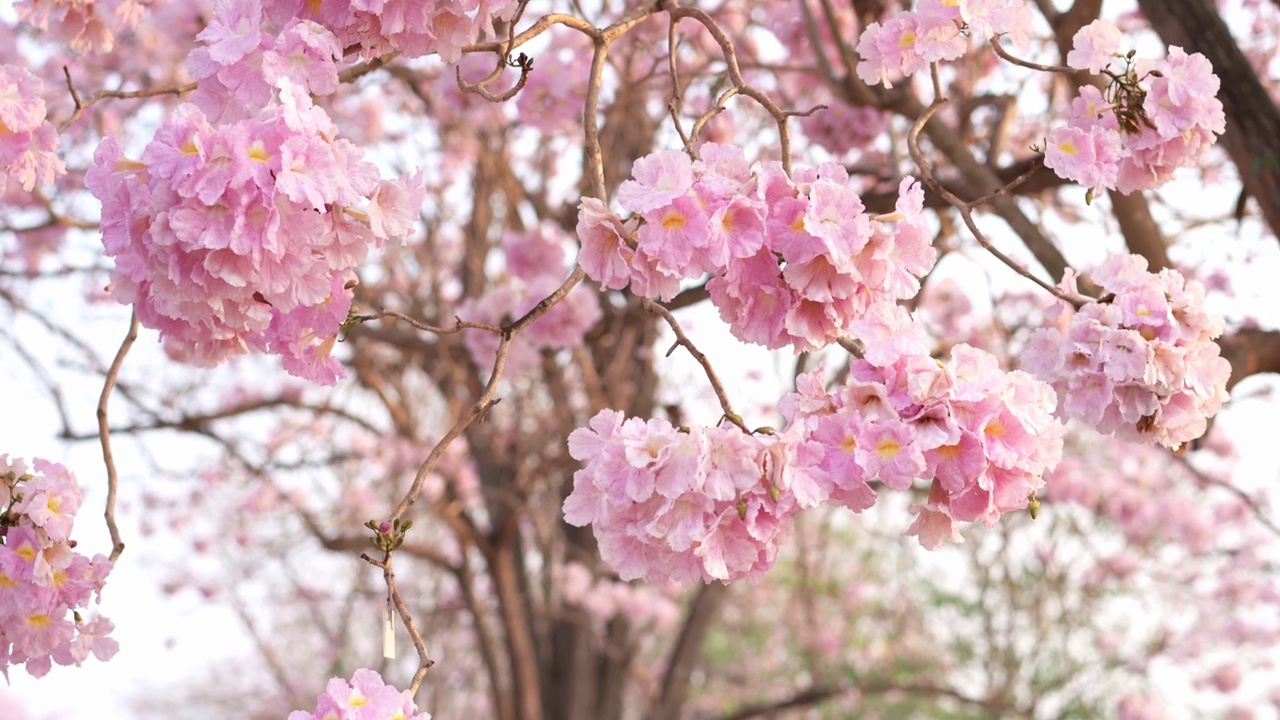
658, 179
22, 108
365, 697
672, 232
888, 50
834, 216
605, 255
1094, 46
753, 300
1127, 367
1089, 157
234, 30
395, 204
934, 525
888, 452
305, 53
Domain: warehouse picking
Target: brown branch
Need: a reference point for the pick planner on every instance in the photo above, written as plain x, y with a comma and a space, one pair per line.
966, 209
983, 180
83, 104
1241, 495
480, 87
361, 69
104, 436
683, 340
544, 23
199, 423
424, 658
458, 325
679, 12
995, 45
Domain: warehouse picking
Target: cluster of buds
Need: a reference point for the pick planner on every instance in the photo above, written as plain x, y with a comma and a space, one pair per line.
388, 537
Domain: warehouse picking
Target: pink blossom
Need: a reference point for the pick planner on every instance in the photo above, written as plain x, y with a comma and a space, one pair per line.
394, 205
305, 52
671, 233
657, 180
22, 108
234, 31
1128, 367
934, 524
1095, 46
28, 142
888, 50
1089, 157
366, 697
887, 451
605, 256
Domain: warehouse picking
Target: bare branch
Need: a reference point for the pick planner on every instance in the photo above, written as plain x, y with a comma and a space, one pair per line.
104, 435
682, 340
82, 105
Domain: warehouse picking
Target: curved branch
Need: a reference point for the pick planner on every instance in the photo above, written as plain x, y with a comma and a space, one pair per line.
83, 104
104, 436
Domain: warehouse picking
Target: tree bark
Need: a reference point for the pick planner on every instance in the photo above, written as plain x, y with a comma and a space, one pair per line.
687, 651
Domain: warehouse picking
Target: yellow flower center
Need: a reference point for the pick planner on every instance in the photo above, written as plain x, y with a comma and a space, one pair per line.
888, 449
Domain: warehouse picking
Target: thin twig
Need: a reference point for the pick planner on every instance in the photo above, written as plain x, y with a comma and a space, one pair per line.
104, 436
679, 12
83, 104
966, 208
1243, 496
995, 45
682, 340
424, 658
458, 326
480, 87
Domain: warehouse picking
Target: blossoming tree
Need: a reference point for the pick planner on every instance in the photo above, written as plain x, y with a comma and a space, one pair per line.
959, 232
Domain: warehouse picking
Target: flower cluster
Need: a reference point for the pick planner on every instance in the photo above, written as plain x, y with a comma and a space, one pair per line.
795, 259
934, 31
536, 266
28, 142
714, 503
699, 505
366, 697
1141, 361
43, 580
243, 57
1152, 119
985, 436
411, 27
88, 26
245, 236
249, 45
